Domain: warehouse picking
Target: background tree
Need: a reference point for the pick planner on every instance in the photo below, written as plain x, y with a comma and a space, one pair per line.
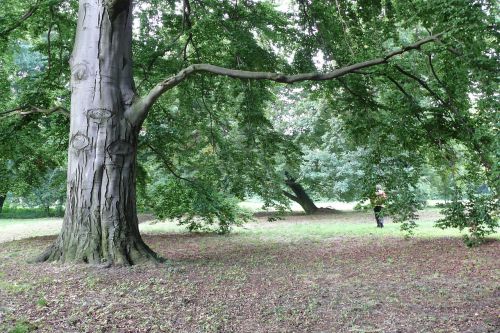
425, 103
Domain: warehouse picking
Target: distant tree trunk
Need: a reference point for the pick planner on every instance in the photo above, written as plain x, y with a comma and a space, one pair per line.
2, 200
60, 207
100, 223
299, 195
47, 210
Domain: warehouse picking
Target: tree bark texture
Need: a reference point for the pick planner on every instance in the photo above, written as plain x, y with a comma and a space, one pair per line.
100, 223
300, 196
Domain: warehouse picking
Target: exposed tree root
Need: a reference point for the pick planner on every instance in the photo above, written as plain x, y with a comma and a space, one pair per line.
134, 253
324, 210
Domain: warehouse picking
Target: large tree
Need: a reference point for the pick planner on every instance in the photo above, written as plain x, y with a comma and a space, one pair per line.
108, 112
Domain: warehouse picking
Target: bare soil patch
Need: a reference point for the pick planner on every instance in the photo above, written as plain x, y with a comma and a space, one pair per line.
237, 284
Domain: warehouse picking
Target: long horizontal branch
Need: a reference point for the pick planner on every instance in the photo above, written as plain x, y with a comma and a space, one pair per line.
139, 111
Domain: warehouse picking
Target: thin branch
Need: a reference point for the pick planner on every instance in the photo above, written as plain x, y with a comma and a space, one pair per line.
49, 43
476, 147
194, 183
345, 28
156, 55
303, 7
164, 50
186, 15
61, 50
400, 87
290, 196
450, 49
21, 20
185, 48
12, 111
449, 104
26, 110
140, 109
186, 25
422, 83
204, 105
167, 164
417, 108
429, 57
368, 100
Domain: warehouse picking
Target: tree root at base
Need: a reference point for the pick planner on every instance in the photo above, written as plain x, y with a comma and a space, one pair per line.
135, 253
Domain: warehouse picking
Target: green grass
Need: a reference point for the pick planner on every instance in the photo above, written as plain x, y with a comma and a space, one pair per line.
24, 222
333, 229
306, 228
318, 230
14, 287
266, 275
162, 227
42, 302
23, 326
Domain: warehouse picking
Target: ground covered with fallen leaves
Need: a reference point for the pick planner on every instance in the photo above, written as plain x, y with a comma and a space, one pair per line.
256, 282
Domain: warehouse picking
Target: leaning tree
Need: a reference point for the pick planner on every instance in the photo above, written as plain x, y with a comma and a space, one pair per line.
108, 112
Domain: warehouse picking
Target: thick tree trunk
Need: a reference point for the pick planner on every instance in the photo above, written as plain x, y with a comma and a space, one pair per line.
100, 223
300, 195
2, 200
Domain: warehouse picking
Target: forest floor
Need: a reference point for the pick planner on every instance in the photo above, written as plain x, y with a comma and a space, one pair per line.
326, 273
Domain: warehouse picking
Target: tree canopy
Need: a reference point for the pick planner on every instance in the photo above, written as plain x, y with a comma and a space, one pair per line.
400, 84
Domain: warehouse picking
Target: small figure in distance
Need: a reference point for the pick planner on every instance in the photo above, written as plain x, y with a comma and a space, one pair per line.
378, 201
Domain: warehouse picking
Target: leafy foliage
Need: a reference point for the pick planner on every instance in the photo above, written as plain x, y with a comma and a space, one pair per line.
200, 209
213, 141
478, 213
474, 207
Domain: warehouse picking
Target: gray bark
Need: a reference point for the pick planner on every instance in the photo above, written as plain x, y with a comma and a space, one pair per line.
100, 223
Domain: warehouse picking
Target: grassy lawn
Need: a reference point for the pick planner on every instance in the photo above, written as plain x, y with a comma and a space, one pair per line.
297, 227
293, 227
13, 229
8, 222
325, 273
